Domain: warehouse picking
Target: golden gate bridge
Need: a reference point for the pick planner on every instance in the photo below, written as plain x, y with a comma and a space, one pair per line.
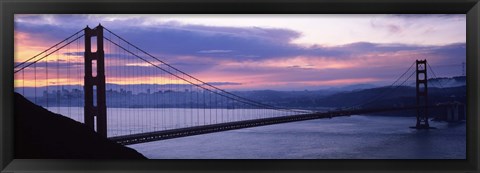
76, 78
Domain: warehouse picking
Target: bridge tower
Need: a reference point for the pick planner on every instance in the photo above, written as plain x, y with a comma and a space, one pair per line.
422, 94
95, 111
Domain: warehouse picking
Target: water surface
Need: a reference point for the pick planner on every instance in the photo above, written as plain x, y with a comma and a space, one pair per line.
354, 137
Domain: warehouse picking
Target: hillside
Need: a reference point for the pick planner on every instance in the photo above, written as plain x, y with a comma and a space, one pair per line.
382, 97
41, 134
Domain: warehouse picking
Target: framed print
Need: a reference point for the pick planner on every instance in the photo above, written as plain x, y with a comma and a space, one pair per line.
285, 86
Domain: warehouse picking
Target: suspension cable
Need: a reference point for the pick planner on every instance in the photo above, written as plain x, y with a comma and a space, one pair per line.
49, 54
433, 72
391, 90
265, 106
385, 91
199, 85
48, 49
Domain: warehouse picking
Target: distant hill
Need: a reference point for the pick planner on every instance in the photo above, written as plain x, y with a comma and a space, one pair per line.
350, 87
448, 82
386, 97
163, 96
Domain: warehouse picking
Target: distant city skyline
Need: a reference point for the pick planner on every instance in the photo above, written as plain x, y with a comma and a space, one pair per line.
279, 52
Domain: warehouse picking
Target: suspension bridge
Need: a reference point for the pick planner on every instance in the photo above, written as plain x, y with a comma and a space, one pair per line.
85, 77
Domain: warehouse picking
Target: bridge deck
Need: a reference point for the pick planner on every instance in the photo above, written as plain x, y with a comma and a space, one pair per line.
197, 130
189, 131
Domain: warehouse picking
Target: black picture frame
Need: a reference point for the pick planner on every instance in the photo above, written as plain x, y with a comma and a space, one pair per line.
10, 7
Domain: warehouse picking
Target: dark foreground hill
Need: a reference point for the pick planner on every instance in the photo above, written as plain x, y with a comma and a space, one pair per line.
41, 134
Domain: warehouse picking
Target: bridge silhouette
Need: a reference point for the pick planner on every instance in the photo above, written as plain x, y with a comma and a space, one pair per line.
170, 104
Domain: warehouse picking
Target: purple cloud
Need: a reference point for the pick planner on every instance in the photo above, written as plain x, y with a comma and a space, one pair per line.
208, 46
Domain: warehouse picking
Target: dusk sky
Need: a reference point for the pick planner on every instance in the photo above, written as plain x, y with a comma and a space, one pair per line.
280, 52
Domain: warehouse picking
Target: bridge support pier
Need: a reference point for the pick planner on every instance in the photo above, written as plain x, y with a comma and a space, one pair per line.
95, 111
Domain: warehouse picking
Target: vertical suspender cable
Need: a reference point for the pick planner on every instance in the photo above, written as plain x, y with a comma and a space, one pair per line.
67, 81
46, 78
35, 80
58, 83
23, 83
